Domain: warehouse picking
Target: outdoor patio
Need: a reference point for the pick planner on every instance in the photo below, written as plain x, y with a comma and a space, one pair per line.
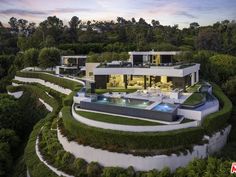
154, 94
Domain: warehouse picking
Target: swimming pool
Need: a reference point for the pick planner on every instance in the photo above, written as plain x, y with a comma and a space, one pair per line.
130, 107
125, 102
165, 107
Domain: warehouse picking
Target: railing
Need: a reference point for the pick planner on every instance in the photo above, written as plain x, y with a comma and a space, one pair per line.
171, 65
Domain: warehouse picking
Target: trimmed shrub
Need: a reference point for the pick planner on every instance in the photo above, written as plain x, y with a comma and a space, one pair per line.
218, 120
94, 169
13, 89
35, 166
68, 101
114, 172
165, 172
67, 158
80, 167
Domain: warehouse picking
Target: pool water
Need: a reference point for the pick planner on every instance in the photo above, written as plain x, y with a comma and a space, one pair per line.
126, 102
165, 107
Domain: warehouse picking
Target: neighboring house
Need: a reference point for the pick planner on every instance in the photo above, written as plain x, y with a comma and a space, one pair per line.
147, 69
74, 65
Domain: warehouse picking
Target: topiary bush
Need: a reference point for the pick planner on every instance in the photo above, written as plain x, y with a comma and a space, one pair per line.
80, 166
94, 169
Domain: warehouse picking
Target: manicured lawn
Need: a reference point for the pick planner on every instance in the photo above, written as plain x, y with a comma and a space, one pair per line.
114, 119
195, 99
194, 88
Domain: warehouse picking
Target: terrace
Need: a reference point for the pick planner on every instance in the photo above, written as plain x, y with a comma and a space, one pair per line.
125, 64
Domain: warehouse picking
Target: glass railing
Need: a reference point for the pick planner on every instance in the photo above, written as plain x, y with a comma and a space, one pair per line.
176, 65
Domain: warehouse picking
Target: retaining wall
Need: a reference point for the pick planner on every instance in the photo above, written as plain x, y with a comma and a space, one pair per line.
48, 107
45, 83
130, 128
16, 94
158, 162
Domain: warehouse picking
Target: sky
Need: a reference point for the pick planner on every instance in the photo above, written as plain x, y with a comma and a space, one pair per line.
168, 12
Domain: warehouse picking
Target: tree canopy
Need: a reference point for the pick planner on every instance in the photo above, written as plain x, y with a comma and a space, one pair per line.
49, 57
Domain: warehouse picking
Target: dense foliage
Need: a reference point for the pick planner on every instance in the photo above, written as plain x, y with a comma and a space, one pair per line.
49, 57
15, 126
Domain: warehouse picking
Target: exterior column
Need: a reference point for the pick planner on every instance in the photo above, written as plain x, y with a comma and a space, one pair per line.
197, 76
145, 81
192, 78
61, 60
125, 81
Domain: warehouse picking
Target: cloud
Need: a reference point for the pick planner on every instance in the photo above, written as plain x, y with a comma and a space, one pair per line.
69, 10
185, 14
46, 12
21, 12
10, 2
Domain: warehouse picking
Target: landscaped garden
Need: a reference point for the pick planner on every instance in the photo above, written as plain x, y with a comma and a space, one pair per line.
143, 144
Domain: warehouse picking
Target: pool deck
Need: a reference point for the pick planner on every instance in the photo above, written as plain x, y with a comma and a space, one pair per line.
157, 98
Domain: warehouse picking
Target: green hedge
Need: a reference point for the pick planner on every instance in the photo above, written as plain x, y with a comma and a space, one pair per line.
50, 78
68, 101
35, 166
33, 163
127, 141
36, 91
12, 89
218, 120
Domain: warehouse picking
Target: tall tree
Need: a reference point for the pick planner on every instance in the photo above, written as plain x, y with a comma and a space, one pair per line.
31, 57
13, 24
74, 23
49, 57
194, 25
209, 39
155, 23
22, 25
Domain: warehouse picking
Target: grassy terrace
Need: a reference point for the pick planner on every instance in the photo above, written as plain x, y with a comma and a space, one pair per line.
73, 85
195, 99
115, 119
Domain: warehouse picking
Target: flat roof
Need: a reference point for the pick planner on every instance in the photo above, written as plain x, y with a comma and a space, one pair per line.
74, 56
154, 52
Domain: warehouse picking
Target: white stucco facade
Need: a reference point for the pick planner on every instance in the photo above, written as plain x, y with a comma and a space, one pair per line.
106, 158
171, 71
199, 114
